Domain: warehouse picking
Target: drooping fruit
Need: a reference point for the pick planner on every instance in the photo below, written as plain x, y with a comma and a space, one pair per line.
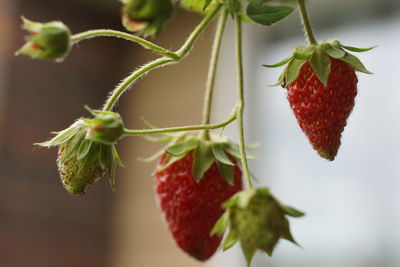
322, 111
193, 178
322, 86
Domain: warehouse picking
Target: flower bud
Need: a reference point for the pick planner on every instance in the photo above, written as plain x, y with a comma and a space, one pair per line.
50, 40
146, 17
106, 127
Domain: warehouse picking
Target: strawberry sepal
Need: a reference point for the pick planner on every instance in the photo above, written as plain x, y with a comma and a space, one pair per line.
219, 150
320, 57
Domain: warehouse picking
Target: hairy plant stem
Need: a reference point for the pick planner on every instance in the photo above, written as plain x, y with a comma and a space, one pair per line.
241, 101
212, 70
181, 129
306, 22
76, 38
181, 53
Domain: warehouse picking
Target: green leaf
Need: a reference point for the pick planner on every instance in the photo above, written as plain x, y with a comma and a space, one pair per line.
293, 69
221, 225
356, 49
292, 211
355, 63
203, 159
226, 172
248, 253
230, 241
321, 64
279, 64
117, 157
304, 52
182, 148
84, 148
219, 154
334, 51
265, 14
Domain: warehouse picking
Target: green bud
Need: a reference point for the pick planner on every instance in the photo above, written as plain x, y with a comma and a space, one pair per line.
106, 127
50, 40
146, 17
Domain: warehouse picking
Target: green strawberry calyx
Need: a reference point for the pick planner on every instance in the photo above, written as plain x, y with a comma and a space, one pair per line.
217, 149
256, 219
319, 56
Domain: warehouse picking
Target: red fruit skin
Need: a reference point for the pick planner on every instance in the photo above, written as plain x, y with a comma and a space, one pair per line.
192, 208
322, 111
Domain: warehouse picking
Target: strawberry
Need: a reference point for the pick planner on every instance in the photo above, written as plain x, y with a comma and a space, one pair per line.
322, 86
256, 219
191, 187
87, 150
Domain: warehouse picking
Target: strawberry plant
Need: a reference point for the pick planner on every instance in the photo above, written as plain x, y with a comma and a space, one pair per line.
203, 182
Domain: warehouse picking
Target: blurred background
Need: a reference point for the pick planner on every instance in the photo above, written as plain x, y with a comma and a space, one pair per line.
351, 204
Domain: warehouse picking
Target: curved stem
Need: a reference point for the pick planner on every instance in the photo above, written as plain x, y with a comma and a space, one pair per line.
181, 129
213, 70
187, 46
182, 52
307, 24
128, 81
76, 38
241, 101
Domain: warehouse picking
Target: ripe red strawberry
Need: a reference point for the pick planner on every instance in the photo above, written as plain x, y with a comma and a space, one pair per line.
192, 205
322, 86
322, 111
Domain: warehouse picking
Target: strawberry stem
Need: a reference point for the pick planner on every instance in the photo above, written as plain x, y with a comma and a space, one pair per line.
241, 101
76, 38
306, 22
181, 129
181, 53
212, 70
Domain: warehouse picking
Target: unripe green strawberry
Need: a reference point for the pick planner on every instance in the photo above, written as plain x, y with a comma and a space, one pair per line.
257, 220
260, 224
82, 161
50, 40
78, 174
322, 86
